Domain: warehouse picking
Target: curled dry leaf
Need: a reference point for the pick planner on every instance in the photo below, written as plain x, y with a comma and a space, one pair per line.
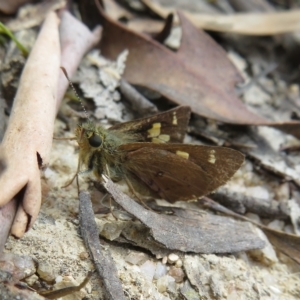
270, 23
27, 142
199, 74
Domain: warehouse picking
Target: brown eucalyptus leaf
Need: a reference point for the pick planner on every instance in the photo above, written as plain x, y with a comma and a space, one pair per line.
199, 74
192, 234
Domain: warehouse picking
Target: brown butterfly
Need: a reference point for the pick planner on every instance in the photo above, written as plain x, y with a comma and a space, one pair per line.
148, 153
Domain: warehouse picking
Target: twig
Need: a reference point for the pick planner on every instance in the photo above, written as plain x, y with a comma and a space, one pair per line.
242, 203
103, 262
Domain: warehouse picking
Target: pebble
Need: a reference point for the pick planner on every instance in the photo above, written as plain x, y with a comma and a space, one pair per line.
266, 255
165, 283
148, 269
276, 224
20, 266
258, 192
164, 260
177, 274
31, 279
46, 272
253, 217
160, 271
83, 255
135, 258
179, 263
282, 192
172, 258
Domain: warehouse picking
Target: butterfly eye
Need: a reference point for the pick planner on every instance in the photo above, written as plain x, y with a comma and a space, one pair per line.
95, 140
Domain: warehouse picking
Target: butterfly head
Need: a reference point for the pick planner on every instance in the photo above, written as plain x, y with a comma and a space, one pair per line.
89, 136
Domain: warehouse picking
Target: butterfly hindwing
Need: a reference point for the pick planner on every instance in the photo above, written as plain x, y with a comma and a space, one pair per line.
181, 172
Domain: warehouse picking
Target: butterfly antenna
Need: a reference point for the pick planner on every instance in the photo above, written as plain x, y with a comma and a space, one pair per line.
76, 94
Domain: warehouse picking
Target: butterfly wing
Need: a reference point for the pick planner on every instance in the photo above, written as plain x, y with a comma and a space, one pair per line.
166, 127
181, 172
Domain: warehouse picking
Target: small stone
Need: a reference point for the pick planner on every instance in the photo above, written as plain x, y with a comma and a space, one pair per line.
294, 89
83, 255
58, 279
276, 224
46, 272
136, 258
160, 271
148, 269
266, 255
164, 260
188, 292
258, 192
172, 258
282, 192
177, 274
253, 217
179, 263
69, 281
31, 279
164, 282
20, 266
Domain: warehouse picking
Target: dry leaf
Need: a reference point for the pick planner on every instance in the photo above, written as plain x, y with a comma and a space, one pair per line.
270, 23
27, 142
199, 74
289, 244
190, 232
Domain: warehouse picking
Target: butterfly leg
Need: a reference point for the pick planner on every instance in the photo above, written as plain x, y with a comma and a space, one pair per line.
75, 176
140, 199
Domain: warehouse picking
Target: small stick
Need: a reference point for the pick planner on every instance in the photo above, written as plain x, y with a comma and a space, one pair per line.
103, 262
68, 290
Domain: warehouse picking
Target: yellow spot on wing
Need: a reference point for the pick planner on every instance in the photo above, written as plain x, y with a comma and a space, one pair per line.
157, 140
174, 121
182, 154
154, 131
212, 158
164, 137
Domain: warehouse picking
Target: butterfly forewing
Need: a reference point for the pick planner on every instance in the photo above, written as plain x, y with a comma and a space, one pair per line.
181, 172
166, 127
